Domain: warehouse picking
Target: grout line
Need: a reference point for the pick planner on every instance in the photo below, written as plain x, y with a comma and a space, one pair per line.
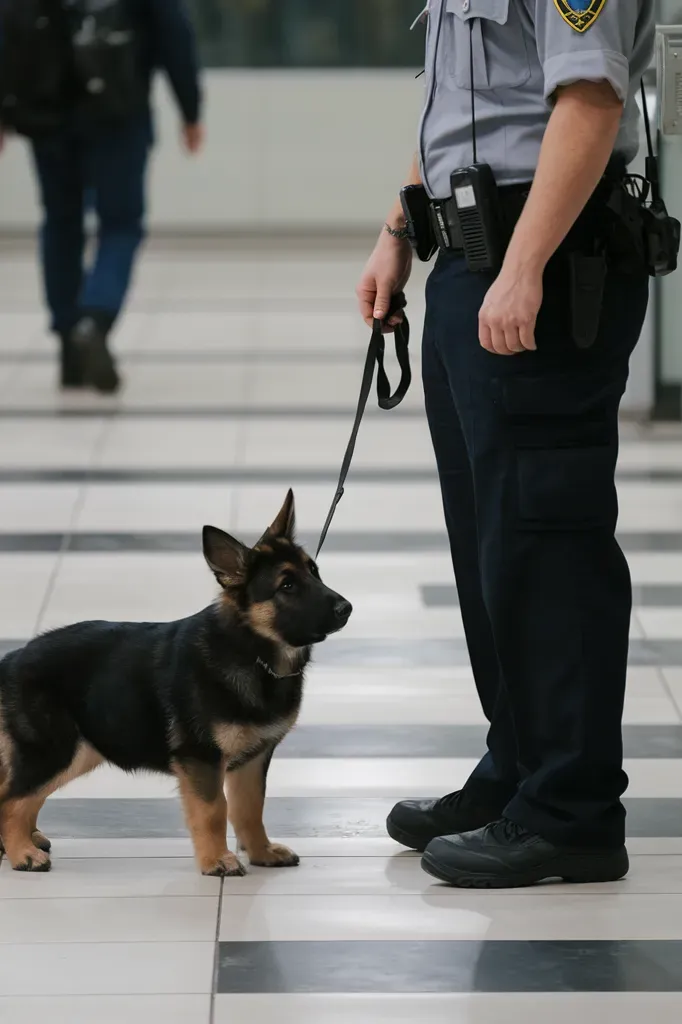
216, 956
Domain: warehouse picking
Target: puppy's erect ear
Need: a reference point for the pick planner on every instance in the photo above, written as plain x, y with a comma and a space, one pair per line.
284, 525
226, 557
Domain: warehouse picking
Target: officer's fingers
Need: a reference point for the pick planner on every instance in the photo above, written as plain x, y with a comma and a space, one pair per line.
383, 301
513, 340
527, 336
366, 297
499, 341
485, 336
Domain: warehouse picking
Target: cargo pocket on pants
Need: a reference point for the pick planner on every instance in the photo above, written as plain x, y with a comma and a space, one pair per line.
563, 432
566, 488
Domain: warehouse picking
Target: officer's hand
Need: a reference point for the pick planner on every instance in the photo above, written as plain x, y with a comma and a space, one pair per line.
506, 322
193, 136
386, 273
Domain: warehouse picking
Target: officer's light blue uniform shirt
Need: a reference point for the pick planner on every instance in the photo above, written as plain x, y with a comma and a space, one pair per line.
523, 50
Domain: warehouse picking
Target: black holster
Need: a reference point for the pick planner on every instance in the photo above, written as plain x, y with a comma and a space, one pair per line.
588, 277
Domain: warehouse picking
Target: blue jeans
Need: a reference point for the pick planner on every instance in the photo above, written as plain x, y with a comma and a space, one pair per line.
526, 448
105, 171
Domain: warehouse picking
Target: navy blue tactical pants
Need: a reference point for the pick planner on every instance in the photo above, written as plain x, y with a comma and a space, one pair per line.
526, 448
105, 172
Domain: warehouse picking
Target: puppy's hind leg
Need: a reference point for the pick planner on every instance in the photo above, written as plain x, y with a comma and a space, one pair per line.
17, 818
19, 814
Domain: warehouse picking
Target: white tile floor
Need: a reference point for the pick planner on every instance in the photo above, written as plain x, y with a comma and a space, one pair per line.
124, 928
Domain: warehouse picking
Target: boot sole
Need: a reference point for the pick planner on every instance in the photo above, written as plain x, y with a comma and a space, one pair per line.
577, 869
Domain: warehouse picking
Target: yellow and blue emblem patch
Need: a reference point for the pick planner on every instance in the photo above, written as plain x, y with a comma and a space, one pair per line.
580, 14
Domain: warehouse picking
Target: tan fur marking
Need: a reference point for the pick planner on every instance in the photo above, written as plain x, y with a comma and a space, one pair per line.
262, 619
245, 800
207, 823
85, 761
234, 740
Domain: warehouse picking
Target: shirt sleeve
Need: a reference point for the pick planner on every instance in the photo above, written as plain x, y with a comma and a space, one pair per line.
176, 46
600, 52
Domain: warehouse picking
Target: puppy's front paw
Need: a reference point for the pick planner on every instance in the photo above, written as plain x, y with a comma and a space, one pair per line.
30, 859
227, 866
275, 856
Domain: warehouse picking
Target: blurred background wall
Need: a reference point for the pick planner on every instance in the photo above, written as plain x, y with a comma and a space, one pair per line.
312, 112
312, 115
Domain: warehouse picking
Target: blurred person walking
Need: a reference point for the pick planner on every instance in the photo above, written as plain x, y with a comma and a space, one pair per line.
75, 79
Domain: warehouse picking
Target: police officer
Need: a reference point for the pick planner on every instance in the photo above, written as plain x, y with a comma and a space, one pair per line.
86, 164
524, 424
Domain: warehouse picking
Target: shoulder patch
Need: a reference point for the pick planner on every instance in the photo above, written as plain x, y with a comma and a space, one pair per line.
580, 14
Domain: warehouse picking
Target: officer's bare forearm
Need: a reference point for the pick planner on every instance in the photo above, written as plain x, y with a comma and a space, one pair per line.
396, 218
576, 148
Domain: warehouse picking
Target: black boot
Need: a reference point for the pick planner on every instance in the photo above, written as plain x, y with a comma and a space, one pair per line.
506, 856
70, 368
99, 368
414, 823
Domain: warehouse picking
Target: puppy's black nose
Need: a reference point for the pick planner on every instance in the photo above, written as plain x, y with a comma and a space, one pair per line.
342, 610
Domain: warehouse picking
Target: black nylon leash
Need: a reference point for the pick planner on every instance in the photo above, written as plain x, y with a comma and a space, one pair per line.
386, 400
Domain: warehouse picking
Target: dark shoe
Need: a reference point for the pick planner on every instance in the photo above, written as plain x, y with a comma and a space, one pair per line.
70, 368
98, 366
414, 823
505, 856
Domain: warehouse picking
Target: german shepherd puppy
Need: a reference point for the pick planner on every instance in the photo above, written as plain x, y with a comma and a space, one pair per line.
206, 699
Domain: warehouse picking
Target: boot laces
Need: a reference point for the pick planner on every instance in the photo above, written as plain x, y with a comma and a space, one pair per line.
508, 831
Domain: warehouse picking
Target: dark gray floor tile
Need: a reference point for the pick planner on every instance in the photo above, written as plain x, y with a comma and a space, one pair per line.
367, 653
370, 652
439, 595
424, 741
656, 652
290, 817
10, 645
199, 412
31, 542
233, 475
649, 475
152, 357
442, 652
642, 542
236, 474
451, 966
663, 595
355, 541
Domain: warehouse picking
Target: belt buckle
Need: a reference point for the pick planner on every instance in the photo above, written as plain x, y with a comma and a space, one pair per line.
440, 225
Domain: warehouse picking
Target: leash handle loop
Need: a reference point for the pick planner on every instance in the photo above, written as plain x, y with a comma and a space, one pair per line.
386, 400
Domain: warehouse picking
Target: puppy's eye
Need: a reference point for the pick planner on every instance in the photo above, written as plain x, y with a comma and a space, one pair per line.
314, 571
287, 585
